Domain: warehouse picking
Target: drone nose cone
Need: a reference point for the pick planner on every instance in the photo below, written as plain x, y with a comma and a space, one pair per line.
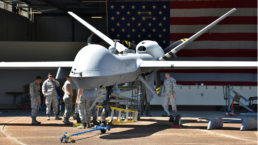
93, 60
91, 66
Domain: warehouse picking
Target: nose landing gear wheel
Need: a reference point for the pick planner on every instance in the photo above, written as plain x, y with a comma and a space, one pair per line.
103, 124
177, 120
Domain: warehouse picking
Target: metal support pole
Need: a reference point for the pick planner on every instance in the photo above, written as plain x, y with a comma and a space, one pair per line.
136, 116
126, 112
119, 115
112, 114
151, 90
229, 98
97, 99
97, 112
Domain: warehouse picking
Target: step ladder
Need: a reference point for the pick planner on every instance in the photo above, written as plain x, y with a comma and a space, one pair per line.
131, 115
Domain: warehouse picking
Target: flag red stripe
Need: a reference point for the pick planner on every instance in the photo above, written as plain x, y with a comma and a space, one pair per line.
217, 36
250, 71
217, 53
208, 20
213, 4
216, 83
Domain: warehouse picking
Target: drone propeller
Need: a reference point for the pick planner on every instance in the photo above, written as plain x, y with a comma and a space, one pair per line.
130, 45
175, 44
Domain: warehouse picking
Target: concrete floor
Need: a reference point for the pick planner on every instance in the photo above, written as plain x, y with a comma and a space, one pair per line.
154, 113
15, 128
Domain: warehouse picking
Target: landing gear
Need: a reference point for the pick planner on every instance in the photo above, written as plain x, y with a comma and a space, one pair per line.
171, 118
103, 124
177, 120
105, 102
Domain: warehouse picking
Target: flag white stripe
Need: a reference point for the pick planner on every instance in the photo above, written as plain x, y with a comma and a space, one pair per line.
221, 45
216, 29
211, 12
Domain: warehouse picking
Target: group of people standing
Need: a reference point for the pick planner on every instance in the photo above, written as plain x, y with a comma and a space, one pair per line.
49, 91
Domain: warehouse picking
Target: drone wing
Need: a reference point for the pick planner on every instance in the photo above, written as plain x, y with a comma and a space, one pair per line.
63, 67
119, 46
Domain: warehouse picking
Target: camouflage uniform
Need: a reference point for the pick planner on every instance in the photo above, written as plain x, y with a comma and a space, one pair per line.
35, 95
68, 101
169, 89
49, 91
84, 109
93, 111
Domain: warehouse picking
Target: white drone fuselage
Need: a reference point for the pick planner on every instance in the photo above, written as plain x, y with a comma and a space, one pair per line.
96, 66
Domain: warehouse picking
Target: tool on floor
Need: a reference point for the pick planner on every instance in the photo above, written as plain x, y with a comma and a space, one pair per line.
68, 138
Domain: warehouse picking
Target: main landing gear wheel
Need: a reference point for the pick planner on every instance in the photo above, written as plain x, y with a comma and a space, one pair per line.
103, 124
177, 120
171, 118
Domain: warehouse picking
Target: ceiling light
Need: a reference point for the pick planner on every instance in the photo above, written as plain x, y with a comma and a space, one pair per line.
35, 12
96, 17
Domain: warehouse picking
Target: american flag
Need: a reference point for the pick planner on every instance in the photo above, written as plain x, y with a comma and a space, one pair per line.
233, 39
138, 21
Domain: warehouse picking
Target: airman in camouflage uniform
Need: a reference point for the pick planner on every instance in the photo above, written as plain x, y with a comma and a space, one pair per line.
68, 93
35, 99
169, 92
94, 113
84, 110
49, 91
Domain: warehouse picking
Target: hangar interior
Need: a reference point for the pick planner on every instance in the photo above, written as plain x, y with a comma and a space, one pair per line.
38, 30
42, 31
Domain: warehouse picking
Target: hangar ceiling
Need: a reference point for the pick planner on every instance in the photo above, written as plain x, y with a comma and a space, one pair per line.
57, 7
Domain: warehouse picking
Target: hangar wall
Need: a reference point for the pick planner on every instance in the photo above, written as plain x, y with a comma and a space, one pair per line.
39, 51
204, 95
65, 28
14, 80
14, 27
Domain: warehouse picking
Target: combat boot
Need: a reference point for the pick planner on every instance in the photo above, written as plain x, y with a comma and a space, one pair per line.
95, 122
165, 114
88, 125
34, 122
37, 121
82, 126
48, 116
57, 118
66, 121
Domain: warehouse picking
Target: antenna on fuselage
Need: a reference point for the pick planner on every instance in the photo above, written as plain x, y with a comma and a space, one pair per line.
113, 49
